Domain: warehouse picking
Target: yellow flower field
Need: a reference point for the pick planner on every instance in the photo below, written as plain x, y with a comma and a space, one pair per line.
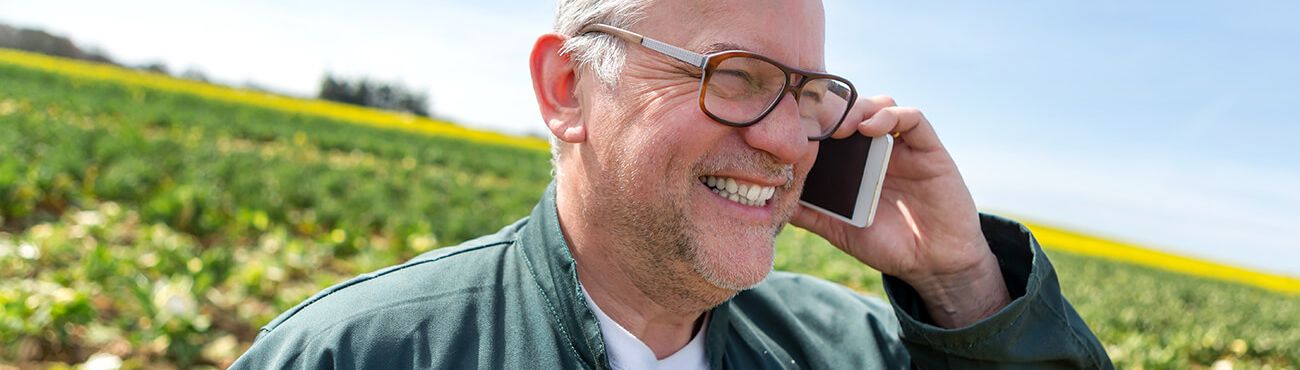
359, 115
1051, 237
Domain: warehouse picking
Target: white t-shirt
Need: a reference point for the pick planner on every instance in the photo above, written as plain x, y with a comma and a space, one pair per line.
627, 352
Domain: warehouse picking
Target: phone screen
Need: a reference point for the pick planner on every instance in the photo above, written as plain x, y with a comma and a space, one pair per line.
836, 177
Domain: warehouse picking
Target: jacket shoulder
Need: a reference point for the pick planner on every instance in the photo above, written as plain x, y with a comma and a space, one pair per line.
387, 314
800, 318
812, 300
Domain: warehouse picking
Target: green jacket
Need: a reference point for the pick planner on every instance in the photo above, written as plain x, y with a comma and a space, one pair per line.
512, 300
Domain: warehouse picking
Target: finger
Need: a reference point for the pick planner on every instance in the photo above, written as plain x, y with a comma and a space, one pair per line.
908, 122
816, 222
862, 109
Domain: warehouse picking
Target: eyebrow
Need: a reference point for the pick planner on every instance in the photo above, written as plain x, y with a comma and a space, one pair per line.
726, 46
723, 46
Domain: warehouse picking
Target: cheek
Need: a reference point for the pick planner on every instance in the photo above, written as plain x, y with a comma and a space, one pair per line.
805, 163
667, 130
658, 99
654, 129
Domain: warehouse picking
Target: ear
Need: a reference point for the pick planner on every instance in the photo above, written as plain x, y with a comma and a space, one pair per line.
554, 82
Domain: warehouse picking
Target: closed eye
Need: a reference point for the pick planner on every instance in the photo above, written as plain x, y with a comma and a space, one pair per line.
816, 97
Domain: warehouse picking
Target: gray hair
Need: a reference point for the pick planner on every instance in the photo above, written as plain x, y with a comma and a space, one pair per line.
603, 54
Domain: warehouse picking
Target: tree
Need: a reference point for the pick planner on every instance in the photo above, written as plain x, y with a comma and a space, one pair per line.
370, 93
45, 43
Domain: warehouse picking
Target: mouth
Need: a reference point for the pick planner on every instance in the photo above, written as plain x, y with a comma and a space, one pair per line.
744, 193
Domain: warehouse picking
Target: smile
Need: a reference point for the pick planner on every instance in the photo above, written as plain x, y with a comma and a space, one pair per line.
753, 195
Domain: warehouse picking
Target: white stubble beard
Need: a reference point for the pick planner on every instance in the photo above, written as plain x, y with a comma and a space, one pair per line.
668, 243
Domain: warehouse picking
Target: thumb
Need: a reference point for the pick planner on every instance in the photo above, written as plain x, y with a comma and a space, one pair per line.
818, 223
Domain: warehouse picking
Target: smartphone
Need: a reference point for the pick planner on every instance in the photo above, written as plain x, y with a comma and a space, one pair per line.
845, 180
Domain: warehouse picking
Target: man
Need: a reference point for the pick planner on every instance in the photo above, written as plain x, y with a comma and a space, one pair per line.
679, 155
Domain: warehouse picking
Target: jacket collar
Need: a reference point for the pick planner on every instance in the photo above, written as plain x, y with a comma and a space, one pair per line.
547, 256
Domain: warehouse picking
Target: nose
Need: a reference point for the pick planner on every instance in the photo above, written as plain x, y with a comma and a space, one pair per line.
780, 133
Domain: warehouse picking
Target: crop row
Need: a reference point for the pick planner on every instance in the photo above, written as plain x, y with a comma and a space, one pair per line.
164, 227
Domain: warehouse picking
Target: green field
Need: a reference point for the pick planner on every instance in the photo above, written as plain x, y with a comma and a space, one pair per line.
165, 228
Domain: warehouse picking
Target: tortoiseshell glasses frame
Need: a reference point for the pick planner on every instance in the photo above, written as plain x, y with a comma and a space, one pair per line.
739, 88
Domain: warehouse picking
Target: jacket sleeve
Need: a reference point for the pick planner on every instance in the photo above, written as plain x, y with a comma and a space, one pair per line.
1039, 329
275, 351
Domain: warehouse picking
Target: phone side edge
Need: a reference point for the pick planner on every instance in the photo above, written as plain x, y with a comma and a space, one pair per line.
869, 196
827, 212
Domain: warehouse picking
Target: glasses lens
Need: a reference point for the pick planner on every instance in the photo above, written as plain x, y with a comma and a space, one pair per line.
822, 103
740, 89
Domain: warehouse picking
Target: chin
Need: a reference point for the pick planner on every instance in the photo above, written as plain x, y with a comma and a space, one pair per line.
737, 261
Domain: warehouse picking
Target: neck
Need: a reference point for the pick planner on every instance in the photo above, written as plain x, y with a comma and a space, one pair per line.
660, 307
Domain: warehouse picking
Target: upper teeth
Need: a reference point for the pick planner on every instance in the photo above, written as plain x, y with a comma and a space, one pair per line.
739, 192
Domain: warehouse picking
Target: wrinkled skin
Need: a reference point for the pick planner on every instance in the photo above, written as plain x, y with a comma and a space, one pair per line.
656, 248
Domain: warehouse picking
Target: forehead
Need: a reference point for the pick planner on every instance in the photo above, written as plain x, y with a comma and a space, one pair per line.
790, 31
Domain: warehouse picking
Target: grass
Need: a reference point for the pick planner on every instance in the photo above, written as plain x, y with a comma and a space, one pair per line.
1068, 241
163, 221
325, 109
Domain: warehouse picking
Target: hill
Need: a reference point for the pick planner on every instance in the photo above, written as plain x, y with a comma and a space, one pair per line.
161, 222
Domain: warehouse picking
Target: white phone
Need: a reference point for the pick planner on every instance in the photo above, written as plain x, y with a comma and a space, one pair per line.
845, 180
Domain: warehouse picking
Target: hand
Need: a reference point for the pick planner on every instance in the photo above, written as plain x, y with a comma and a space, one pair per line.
926, 229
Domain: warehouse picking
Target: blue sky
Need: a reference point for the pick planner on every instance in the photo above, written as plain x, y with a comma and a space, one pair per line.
1170, 125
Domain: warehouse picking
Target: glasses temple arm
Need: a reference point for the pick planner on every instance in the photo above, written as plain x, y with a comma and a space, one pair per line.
839, 90
684, 55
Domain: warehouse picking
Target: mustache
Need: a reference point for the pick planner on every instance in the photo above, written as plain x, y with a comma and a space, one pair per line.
749, 162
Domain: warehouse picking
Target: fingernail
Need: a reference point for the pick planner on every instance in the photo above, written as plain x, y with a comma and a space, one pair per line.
868, 121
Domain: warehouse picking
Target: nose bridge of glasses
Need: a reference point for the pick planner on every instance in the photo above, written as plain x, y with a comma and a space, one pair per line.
795, 83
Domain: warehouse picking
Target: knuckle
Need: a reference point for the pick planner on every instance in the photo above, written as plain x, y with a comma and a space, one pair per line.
887, 114
910, 111
886, 100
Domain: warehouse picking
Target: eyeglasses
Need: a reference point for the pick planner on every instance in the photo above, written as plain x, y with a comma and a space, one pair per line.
739, 88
